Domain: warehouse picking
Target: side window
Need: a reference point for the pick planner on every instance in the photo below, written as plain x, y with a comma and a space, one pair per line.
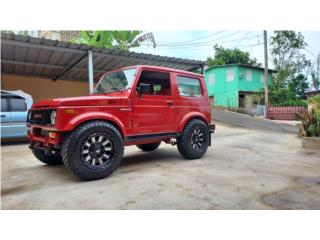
4, 104
18, 105
159, 82
189, 87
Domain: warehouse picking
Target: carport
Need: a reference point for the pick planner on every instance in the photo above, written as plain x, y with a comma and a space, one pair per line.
48, 59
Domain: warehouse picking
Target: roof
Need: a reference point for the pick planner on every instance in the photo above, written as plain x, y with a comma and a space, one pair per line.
313, 92
24, 55
241, 65
20, 94
168, 69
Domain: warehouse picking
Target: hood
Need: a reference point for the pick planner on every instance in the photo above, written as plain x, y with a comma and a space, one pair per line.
91, 100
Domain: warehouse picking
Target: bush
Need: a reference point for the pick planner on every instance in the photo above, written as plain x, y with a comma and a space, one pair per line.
280, 97
310, 126
288, 103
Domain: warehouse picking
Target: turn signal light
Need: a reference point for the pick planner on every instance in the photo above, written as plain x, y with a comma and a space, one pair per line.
70, 111
52, 135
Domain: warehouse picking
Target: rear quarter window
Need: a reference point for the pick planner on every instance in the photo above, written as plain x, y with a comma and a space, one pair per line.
18, 105
189, 87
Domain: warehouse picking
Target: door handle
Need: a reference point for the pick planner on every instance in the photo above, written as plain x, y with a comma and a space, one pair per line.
3, 115
169, 102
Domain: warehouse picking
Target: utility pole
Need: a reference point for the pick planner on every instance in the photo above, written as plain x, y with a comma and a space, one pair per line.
318, 66
266, 90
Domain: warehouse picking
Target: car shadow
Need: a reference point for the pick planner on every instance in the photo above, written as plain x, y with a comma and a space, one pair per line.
159, 155
14, 141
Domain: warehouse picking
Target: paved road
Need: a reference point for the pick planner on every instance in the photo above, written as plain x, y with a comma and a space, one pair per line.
246, 121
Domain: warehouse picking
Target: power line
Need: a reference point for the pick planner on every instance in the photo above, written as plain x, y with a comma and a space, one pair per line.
200, 43
242, 39
204, 44
196, 39
252, 45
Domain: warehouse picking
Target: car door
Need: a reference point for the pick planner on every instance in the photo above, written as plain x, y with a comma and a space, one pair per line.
153, 112
5, 117
18, 117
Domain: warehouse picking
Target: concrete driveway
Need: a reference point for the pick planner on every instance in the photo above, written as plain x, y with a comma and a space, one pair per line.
250, 122
244, 169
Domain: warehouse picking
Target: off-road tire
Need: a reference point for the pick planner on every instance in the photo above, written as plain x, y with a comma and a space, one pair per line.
73, 145
149, 147
47, 159
184, 142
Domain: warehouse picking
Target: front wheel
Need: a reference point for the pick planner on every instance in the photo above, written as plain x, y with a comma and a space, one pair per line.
149, 147
194, 140
93, 150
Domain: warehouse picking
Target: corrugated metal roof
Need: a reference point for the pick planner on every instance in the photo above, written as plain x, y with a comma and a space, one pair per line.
24, 55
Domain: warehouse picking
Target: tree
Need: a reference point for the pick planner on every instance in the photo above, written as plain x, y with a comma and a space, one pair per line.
298, 85
223, 56
288, 60
315, 73
100, 39
123, 40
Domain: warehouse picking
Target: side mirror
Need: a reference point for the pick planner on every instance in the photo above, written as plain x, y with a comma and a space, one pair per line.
144, 88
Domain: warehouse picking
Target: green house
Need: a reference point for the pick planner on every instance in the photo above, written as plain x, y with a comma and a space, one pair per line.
231, 85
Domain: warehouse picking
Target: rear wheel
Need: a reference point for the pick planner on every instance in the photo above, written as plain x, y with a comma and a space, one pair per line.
93, 150
194, 140
47, 159
149, 147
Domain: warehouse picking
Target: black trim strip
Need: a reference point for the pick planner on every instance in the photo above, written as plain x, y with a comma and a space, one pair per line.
151, 136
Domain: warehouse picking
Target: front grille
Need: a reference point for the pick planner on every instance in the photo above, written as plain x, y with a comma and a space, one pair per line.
40, 117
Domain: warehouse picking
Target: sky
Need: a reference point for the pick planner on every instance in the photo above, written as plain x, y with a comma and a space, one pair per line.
198, 45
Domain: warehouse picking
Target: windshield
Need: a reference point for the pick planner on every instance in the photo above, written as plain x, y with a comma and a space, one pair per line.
116, 81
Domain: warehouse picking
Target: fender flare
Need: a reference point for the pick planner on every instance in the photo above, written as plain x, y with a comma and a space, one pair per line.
188, 117
85, 117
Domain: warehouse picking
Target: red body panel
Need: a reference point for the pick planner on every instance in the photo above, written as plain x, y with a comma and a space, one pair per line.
131, 113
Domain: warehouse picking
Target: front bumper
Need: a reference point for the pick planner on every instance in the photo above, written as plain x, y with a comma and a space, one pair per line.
50, 142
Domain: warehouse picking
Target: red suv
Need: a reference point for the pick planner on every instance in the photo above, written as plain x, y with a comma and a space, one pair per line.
138, 105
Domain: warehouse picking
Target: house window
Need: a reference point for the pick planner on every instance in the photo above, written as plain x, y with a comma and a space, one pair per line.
249, 75
212, 79
230, 75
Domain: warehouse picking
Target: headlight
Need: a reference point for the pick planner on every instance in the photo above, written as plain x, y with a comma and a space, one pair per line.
53, 117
